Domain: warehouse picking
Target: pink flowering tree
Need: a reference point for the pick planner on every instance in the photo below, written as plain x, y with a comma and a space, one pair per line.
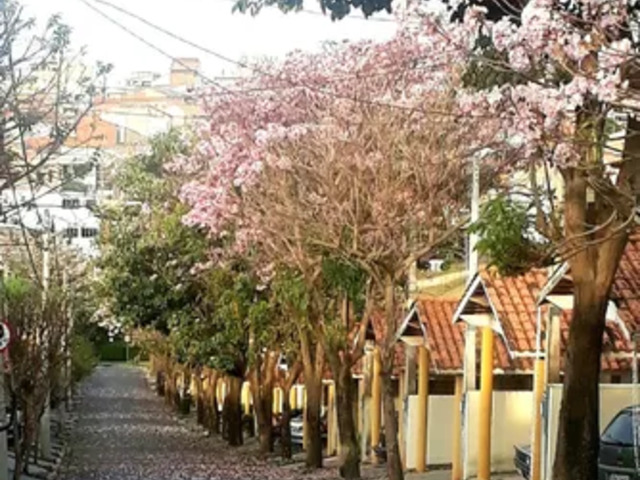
560, 77
355, 154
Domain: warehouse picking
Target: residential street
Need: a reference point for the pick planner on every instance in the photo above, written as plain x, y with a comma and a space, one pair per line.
125, 432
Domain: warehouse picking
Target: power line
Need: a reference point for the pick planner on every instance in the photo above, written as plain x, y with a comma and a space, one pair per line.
151, 45
239, 63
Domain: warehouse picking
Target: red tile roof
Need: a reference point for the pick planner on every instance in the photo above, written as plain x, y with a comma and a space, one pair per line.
514, 302
626, 285
446, 339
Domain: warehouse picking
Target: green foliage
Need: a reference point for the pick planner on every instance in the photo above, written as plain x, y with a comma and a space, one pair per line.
17, 289
143, 178
291, 292
505, 229
337, 9
83, 358
147, 254
486, 71
116, 351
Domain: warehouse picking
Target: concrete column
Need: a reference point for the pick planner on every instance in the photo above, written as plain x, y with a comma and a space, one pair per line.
486, 405
536, 444
423, 408
293, 397
364, 425
305, 426
409, 387
553, 345
376, 403
470, 359
332, 421
456, 453
246, 398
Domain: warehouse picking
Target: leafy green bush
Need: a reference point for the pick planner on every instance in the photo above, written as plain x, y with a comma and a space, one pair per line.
83, 358
116, 351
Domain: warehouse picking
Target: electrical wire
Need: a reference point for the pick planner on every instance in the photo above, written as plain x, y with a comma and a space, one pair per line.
239, 63
151, 45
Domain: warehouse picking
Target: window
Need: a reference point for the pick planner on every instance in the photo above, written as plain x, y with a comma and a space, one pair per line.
89, 232
71, 232
620, 430
91, 203
70, 203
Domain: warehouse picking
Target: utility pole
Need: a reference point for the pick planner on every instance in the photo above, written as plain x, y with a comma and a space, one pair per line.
4, 448
472, 266
68, 338
45, 420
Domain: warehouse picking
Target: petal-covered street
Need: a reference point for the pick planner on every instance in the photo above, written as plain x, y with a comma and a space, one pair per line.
125, 432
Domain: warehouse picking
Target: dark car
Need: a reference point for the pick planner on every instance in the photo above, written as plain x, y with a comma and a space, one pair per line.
617, 459
522, 461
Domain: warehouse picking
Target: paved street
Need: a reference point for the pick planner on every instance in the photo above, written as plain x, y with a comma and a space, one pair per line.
125, 432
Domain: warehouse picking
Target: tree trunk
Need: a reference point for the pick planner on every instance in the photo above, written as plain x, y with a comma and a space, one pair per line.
313, 385
200, 410
213, 418
262, 383
285, 424
578, 430
349, 449
160, 383
593, 268
394, 463
263, 409
392, 446
232, 412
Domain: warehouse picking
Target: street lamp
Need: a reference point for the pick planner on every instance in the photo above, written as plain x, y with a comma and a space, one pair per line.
127, 339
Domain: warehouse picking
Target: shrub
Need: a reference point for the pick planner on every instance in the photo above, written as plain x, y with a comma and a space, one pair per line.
83, 358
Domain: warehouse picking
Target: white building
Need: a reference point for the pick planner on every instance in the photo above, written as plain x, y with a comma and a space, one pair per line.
64, 197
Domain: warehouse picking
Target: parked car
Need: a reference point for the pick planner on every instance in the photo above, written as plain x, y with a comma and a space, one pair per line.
617, 459
297, 428
522, 461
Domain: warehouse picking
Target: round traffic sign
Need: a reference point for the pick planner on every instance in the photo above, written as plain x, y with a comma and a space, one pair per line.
5, 336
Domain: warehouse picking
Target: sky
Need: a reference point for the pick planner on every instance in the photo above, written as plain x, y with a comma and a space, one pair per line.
209, 23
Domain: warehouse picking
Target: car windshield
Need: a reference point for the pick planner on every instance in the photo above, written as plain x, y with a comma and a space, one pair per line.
620, 430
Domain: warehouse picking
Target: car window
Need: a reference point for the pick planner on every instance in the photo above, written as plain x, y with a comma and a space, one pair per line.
620, 430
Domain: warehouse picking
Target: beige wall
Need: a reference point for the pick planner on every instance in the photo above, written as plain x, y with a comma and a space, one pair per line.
439, 434
613, 398
511, 425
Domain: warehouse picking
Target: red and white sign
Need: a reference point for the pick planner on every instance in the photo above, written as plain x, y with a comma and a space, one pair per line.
5, 335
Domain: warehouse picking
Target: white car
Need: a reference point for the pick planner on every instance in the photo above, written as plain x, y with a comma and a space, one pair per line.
297, 427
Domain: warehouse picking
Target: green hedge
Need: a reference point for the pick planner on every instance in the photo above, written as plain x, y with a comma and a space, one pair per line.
116, 351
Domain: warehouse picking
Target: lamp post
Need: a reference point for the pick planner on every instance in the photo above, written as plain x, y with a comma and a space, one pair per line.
127, 340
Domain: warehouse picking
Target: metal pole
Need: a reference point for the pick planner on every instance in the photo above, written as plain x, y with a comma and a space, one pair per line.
4, 449
475, 215
68, 339
45, 420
